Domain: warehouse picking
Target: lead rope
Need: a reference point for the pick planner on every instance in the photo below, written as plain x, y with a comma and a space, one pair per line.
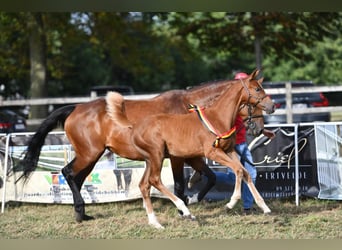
208, 125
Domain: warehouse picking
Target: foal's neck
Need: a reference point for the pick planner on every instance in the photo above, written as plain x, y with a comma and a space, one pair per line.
222, 114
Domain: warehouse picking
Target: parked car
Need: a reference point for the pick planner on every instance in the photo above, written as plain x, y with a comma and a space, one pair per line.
11, 122
299, 100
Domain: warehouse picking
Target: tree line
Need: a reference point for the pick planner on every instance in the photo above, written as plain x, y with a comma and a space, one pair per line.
65, 54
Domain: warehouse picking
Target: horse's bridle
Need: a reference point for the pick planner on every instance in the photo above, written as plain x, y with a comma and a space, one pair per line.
250, 122
259, 99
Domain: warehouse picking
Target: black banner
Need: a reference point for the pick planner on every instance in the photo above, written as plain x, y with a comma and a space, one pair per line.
275, 163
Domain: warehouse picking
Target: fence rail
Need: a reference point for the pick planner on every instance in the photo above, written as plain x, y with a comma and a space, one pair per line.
288, 91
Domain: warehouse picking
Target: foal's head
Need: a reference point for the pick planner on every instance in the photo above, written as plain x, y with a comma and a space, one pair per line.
256, 94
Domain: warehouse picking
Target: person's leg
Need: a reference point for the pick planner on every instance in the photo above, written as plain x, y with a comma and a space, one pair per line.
246, 160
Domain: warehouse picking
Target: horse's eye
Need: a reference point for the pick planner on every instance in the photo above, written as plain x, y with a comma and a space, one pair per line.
257, 89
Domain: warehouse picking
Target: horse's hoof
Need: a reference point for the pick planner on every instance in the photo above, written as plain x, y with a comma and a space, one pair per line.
79, 217
87, 217
192, 199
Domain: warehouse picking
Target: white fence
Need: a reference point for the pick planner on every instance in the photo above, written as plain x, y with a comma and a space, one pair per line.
289, 111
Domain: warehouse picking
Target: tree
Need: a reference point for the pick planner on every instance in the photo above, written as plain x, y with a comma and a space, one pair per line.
14, 63
320, 63
153, 52
37, 45
265, 33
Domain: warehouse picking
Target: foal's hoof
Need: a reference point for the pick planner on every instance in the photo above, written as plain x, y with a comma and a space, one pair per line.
189, 216
267, 212
228, 207
157, 225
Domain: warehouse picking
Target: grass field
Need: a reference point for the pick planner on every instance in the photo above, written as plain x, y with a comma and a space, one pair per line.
313, 219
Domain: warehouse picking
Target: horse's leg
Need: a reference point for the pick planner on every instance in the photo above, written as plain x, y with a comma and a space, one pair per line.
178, 176
79, 180
199, 165
69, 176
75, 181
177, 165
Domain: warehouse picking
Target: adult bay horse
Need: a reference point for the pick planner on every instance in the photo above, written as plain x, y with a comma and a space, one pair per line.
197, 134
91, 130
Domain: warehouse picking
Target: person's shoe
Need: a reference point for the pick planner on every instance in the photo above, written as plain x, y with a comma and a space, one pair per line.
249, 211
194, 178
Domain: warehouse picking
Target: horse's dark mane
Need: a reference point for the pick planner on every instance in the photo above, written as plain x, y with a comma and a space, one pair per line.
206, 84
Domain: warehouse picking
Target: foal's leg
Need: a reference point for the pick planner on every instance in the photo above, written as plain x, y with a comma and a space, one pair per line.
234, 163
145, 188
256, 195
152, 177
243, 173
155, 180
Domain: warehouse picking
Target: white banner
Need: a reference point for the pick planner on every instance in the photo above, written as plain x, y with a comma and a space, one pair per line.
329, 160
113, 179
100, 186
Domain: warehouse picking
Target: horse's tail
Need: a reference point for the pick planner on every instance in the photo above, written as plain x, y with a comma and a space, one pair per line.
29, 163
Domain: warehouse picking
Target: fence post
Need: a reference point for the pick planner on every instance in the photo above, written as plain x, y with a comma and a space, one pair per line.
288, 87
3, 200
296, 164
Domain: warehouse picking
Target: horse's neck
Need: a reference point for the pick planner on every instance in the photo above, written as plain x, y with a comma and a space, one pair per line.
206, 95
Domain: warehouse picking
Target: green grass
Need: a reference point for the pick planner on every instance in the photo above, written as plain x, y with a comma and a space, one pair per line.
313, 219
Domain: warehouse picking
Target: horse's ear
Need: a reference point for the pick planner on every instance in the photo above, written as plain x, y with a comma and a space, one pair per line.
254, 74
260, 80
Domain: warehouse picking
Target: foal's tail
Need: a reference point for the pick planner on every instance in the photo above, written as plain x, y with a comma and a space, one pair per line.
116, 110
58, 117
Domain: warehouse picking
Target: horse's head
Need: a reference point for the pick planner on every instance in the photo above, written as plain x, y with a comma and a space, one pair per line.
255, 93
253, 119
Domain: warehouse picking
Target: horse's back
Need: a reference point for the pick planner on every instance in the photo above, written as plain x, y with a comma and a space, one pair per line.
170, 102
